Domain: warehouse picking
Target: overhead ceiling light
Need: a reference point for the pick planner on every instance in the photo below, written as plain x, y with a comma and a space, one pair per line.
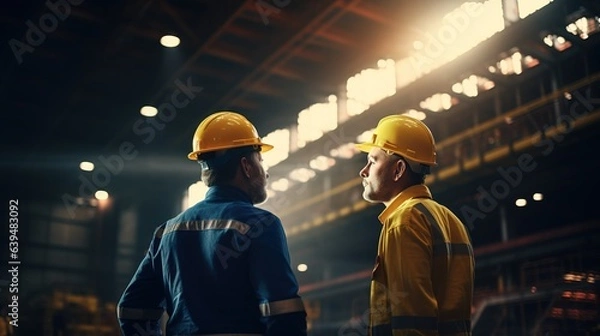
101, 195
86, 166
302, 268
521, 202
170, 41
538, 197
148, 111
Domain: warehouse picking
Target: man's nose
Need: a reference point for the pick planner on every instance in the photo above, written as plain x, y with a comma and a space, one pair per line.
363, 172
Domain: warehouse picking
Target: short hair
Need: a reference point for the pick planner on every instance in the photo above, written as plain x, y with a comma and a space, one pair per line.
228, 162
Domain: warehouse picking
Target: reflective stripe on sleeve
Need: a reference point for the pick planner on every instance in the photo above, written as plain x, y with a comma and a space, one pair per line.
281, 307
138, 314
210, 224
440, 246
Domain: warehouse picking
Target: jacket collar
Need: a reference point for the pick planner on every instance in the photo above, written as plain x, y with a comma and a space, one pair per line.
416, 191
226, 193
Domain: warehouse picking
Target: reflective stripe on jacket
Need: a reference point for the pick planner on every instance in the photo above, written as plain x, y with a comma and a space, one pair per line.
220, 267
422, 281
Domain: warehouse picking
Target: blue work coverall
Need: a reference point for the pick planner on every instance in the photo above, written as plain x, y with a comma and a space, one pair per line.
220, 267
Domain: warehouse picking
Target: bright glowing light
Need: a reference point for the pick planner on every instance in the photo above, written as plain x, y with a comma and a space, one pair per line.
517, 59
345, 151
460, 31
584, 27
314, 121
557, 42
302, 174
527, 7
530, 61
332, 98
302, 268
280, 185
354, 107
101, 195
372, 85
148, 111
86, 166
322, 163
516, 63
471, 86
521, 202
196, 192
438, 102
446, 101
457, 88
415, 114
281, 140
365, 136
538, 197
170, 41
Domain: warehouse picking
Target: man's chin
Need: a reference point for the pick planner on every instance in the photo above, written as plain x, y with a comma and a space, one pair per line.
260, 199
369, 198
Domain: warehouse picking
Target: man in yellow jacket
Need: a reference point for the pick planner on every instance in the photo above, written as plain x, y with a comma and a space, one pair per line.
422, 282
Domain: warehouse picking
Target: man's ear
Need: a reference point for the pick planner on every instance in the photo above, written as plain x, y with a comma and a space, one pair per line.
246, 166
399, 169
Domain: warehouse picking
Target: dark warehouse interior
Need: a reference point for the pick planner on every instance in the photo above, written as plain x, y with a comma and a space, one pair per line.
509, 88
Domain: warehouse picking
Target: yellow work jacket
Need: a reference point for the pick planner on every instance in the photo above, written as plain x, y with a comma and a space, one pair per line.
422, 282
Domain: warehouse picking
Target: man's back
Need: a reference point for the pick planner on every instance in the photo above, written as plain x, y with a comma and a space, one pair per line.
217, 263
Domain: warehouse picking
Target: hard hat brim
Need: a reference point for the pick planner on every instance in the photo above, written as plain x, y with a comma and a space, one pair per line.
364, 147
263, 148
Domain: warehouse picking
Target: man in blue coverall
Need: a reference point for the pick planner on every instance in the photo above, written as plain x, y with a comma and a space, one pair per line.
222, 266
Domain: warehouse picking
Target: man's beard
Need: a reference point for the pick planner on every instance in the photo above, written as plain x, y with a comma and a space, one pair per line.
258, 192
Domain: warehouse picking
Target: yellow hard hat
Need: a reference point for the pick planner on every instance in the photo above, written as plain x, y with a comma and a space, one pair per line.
405, 136
225, 130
